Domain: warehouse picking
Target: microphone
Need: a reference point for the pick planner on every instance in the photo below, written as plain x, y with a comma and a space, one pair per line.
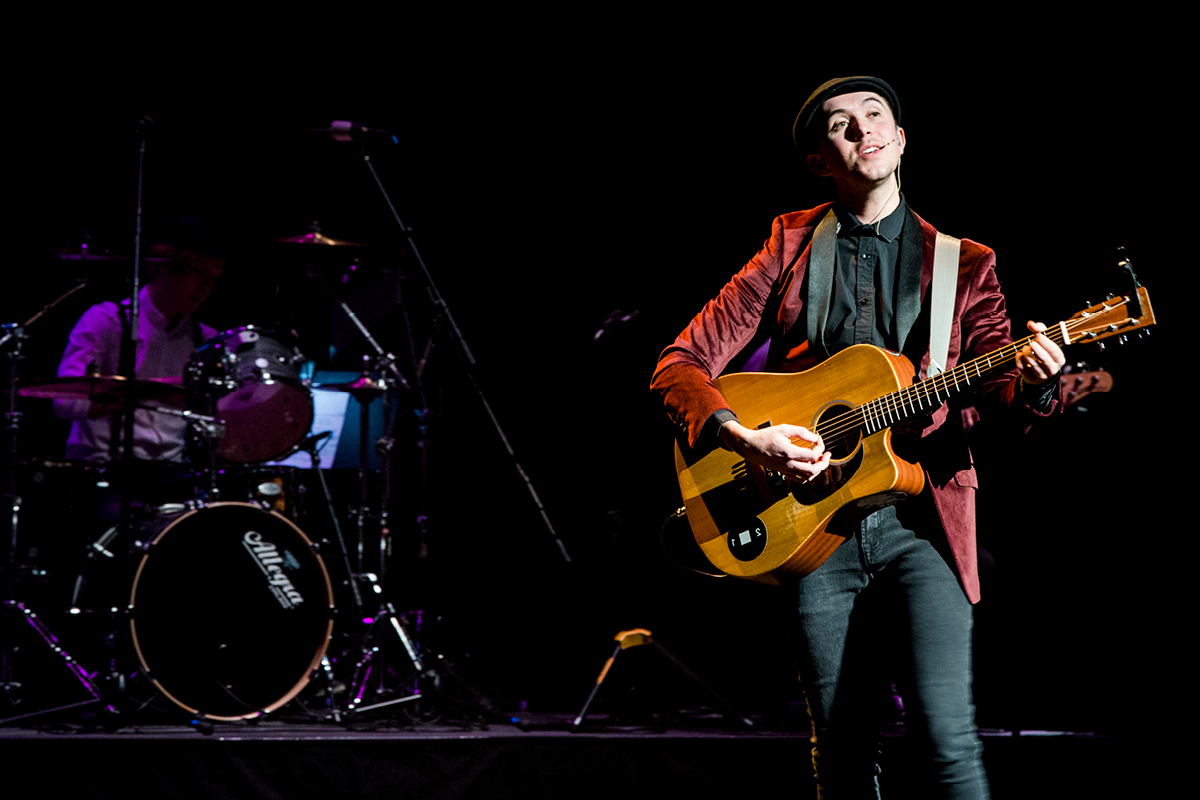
346, 131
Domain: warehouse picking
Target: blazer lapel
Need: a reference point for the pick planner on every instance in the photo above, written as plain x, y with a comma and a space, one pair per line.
821, 265
908, 278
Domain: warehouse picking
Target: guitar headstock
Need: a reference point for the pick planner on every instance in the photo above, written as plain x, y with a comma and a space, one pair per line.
1078, 385
1116, 316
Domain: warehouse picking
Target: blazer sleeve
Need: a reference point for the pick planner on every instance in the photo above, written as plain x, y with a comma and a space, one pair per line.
986, 327
683, 378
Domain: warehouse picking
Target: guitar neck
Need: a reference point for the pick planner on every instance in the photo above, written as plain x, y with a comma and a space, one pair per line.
925, 396
1092, 324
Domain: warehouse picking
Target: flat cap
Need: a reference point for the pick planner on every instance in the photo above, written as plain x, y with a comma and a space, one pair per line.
832, 88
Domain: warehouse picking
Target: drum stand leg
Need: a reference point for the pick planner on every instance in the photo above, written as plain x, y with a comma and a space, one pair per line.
371, 665
12, 608
330, 686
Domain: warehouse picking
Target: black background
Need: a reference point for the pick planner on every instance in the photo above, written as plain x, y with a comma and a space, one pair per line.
552, 179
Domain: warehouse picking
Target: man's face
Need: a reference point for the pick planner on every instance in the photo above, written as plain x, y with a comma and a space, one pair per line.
860, 142
189, 283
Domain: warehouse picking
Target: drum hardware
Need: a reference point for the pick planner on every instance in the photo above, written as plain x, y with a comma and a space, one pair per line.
95, 551
81, 675
99, 549
274, 488
331, 687
311, 446
370, 688
14, 610
369, 672
365, 669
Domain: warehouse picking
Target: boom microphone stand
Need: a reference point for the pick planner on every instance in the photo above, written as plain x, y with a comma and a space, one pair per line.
345, 131
385, 363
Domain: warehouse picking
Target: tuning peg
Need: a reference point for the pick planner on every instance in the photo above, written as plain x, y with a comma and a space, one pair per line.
1122, 339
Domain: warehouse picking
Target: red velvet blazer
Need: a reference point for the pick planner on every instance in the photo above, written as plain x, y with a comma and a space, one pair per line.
770, 299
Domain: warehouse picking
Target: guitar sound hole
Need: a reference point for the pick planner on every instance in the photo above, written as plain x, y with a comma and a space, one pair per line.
839, 430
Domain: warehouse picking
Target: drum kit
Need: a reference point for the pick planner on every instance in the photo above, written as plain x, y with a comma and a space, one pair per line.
221, 602
216, 596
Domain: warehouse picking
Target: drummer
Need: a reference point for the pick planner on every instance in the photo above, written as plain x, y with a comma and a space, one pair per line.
182, 268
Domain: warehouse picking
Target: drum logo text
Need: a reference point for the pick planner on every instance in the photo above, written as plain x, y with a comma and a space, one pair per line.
266, 555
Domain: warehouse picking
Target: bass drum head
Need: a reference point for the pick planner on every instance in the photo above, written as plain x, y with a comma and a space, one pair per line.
231, 611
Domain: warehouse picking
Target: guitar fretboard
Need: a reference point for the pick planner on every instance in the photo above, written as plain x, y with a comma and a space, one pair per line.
925, 396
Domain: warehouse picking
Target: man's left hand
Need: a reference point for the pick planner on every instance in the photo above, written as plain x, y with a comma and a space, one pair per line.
1041, 360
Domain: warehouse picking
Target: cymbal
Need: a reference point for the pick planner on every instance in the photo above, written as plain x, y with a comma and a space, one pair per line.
84, 254
317, 238
87, 387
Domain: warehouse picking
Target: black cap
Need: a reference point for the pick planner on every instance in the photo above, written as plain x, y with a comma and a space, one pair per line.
857, 83
194, 235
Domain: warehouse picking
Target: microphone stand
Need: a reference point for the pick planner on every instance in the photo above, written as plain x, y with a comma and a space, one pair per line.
444, 311
386, 361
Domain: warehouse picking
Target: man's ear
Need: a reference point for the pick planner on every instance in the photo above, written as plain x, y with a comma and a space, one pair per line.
817, 165
900, 134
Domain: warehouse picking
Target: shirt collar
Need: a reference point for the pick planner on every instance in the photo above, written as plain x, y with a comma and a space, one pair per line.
888, 228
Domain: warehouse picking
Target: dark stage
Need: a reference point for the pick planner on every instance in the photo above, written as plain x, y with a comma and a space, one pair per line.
575, 206
702, 759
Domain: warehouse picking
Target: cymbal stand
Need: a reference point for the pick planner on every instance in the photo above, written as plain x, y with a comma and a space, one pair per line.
14, 609
371, 668
311, 445
129, 341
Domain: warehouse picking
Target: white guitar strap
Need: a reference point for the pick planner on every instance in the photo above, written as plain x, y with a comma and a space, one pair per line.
941, 302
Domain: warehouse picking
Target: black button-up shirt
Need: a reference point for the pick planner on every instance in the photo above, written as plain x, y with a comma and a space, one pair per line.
862, 304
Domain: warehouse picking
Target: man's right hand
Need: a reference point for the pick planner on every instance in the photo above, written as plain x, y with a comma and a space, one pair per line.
790, 450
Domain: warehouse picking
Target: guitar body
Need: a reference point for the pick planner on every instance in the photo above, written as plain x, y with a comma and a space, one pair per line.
753, 524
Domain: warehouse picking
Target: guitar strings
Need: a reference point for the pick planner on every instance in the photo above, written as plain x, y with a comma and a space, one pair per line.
895, 406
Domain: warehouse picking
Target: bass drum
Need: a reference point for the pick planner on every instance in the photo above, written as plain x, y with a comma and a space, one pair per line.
231, 611
254, 378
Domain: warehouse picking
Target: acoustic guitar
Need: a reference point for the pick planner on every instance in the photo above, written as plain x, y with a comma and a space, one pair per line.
755, 524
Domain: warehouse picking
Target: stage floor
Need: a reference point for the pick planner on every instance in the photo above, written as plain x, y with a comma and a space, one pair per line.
698, 755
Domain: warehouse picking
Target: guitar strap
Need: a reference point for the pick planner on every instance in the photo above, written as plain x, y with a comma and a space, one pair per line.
941, 300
